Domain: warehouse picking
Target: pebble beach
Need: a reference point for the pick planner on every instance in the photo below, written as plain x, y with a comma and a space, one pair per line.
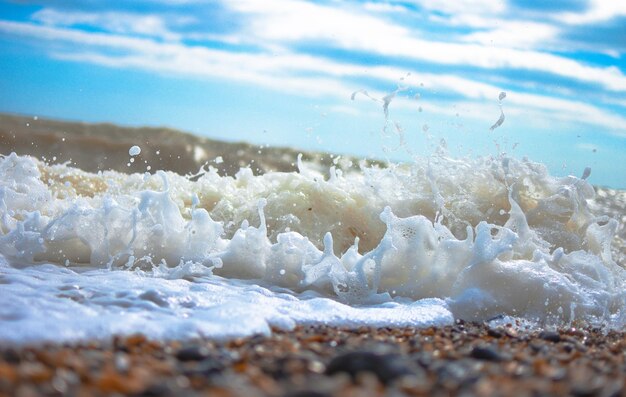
466, 359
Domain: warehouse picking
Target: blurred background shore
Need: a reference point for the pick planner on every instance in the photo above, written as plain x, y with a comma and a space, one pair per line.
104, 146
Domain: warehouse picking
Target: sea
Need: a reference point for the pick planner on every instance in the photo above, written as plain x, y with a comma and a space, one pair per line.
88, 255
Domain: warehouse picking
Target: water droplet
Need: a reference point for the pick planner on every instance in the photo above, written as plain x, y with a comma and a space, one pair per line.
134, 150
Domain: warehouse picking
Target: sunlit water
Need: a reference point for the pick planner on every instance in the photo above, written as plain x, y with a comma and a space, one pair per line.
91, 255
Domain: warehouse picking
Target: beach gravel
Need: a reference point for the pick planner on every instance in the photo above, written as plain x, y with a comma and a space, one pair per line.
466, 359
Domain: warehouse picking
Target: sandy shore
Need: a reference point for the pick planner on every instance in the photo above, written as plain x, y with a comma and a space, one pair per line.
466, 359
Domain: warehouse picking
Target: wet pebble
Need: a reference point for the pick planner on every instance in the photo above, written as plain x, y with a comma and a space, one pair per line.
486, 353
192, 353
495, 333
11, 356
550, 336
387, 367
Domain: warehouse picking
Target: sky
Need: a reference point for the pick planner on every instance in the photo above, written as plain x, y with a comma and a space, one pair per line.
393, 79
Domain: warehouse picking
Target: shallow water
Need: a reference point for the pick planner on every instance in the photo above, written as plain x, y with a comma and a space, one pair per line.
87, 255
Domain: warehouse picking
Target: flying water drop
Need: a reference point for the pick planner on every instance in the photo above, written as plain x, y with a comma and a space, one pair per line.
500, 120
134, 150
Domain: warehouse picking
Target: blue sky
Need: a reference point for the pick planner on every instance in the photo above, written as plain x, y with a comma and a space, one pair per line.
282, 72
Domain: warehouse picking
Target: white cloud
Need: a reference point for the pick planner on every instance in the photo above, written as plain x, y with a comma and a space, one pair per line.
480, 7
300, 74
290, 21
116, 22
514, 34
275, 24
384, 7
287, 20
598, 11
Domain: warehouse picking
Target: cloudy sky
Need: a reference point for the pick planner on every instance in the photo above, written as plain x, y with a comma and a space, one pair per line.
320, 74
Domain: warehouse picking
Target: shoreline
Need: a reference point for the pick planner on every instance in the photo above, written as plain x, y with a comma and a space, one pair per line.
314, 361
464, 359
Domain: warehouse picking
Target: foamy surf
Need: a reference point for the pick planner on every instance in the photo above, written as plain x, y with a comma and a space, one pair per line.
90, 255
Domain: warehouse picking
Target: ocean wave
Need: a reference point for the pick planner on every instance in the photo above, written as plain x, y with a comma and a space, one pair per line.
487, 236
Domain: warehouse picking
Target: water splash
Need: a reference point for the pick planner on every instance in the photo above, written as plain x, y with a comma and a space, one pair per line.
475, 234
500, 120
385, 101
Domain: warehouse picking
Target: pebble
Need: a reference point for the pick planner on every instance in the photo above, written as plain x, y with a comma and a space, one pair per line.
495, 333
486, 353
11, 356
387, 367
550, 336
192, 353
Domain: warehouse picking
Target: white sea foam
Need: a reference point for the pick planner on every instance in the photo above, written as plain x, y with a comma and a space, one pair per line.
90, 255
